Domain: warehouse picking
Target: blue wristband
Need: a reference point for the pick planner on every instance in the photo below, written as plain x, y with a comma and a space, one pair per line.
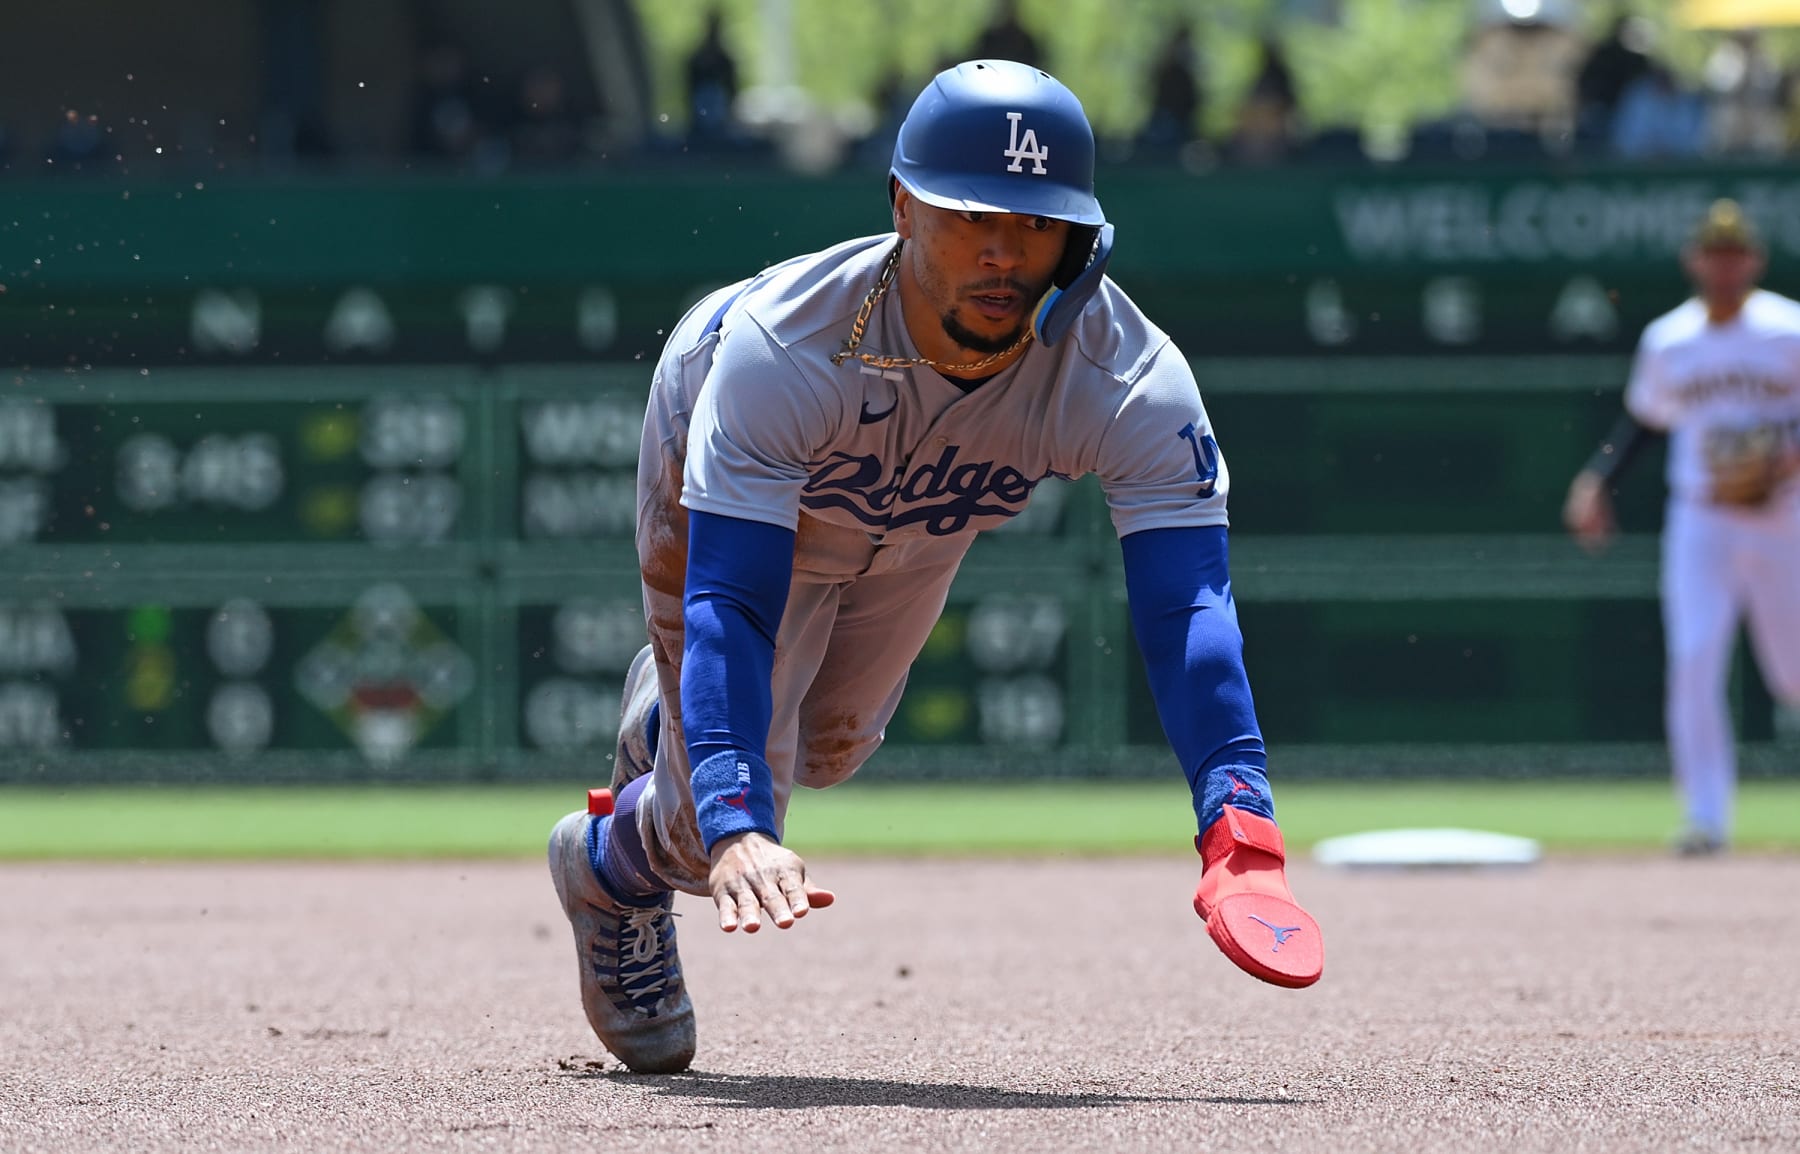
1237, 783
734, 792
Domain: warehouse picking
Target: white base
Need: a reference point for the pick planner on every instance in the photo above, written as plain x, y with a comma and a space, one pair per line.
1426, 847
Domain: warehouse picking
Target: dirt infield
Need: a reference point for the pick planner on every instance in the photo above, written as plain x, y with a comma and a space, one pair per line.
1585, 1005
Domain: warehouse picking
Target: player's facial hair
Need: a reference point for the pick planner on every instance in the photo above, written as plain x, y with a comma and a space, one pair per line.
975, 342
938, 289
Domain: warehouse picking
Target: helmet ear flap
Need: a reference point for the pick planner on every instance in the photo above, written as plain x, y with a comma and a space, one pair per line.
1077, 252
1075, 282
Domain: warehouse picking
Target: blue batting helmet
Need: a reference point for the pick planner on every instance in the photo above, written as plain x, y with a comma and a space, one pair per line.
996, 136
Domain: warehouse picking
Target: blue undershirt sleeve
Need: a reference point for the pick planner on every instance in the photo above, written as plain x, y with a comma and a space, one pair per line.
738, 573
1179, 584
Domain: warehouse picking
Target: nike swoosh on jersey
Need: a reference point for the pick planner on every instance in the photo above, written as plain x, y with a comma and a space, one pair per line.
868, 418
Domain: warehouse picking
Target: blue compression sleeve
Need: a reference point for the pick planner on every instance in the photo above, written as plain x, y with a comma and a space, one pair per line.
737, 585
1179, 583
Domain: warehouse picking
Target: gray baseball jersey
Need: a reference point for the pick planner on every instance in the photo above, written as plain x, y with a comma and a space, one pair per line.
885, 475
904, 454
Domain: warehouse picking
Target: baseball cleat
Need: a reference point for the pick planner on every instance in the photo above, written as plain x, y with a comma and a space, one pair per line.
631, 984
1699, 843
1249, 911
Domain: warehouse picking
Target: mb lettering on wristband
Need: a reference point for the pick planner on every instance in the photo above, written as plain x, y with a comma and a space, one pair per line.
734, 792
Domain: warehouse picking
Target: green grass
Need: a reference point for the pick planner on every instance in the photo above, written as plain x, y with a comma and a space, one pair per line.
1101, 818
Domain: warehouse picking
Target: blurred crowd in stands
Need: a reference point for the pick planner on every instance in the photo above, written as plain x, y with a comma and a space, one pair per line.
1533, 86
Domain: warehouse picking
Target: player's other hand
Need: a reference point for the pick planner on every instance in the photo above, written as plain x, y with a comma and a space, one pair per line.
1588, 511
752, 874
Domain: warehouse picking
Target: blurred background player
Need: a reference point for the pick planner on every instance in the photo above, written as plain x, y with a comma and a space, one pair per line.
822, 444
1720, 374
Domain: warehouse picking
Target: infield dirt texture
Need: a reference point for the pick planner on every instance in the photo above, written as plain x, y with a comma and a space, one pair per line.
1589, 1004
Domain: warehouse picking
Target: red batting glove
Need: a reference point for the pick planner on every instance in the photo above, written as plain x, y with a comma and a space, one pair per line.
1247, 906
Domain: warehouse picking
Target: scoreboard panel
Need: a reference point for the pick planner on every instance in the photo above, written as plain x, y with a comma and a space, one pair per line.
384, 675
572, 655
240, 457
238, 573
571, 451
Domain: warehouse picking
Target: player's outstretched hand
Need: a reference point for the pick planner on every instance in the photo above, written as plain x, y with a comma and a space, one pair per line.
753, 873
1588, 512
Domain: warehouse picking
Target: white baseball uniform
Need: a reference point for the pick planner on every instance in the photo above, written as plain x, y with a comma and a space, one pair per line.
885, 475
1705, 383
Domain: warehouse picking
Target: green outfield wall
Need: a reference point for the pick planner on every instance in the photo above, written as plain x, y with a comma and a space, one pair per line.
333, 480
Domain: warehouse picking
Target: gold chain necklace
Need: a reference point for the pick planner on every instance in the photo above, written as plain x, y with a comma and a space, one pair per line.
861, 324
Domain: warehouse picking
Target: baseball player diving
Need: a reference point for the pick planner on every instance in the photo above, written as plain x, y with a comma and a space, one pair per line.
1720, 375
822, 443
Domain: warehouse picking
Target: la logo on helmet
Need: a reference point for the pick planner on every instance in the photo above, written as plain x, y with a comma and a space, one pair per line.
1029, 149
